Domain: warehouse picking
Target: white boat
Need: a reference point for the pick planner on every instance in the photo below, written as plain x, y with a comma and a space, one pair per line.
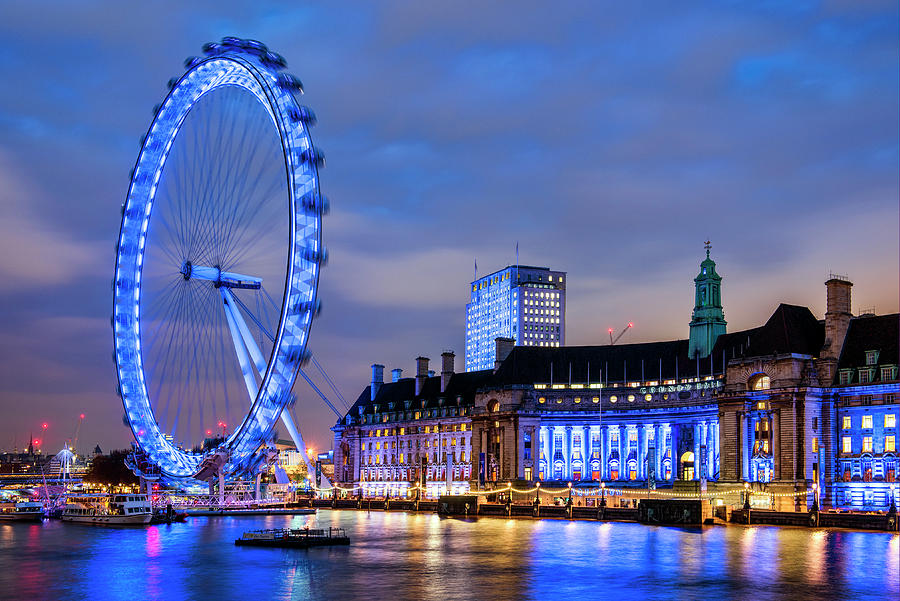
108, 510
24, 511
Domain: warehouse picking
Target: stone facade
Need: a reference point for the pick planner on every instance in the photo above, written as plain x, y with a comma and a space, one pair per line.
800, 410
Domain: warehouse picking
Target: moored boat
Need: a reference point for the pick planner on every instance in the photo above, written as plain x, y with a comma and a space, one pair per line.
108, 510
24, 511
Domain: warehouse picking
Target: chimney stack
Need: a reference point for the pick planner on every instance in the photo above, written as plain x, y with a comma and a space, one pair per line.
503, 347
396, 374
421, 373
448, 359
377, 378
837, 315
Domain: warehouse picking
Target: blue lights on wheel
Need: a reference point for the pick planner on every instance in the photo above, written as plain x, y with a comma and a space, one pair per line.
248, 71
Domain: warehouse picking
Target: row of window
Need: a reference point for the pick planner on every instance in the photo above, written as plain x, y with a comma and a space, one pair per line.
374, 418
890, 444
408, 475
402, 431
392, 444
868, 399
890, 421
867, 374
379, 459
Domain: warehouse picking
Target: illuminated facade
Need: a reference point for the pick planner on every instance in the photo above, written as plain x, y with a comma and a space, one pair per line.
409, 431
522, 303
865, 393
795, 405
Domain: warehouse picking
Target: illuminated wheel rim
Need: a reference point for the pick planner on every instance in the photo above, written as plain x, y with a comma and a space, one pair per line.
242, 81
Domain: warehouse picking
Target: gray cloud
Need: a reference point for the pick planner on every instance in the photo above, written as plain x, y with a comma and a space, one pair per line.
609, 141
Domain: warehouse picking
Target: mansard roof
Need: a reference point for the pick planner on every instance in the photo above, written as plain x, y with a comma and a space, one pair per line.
790, 329
876, 333
462, 385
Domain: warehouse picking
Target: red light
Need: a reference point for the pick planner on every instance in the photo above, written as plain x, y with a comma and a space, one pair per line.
610, 330
81, 416
208, 432
140, 432
45, 425
630, 324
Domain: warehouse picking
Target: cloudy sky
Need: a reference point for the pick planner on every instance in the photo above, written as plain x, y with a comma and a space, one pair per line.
608, 139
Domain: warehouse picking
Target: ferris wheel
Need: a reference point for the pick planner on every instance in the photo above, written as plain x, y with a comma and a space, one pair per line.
217, 264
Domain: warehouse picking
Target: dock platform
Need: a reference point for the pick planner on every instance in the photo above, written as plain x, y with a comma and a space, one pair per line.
301, 538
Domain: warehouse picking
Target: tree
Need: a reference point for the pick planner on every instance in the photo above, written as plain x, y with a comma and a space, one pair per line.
110, 469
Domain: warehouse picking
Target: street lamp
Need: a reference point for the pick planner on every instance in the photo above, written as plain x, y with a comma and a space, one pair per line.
602, 494
747, 496
815, 487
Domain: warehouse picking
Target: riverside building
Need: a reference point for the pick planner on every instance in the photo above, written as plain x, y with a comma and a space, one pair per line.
797, 404
525, 304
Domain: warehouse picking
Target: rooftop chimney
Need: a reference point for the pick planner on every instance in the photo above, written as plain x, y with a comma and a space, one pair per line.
447, 366
837, 315
377, 378
421, 373
396, 374
503, 347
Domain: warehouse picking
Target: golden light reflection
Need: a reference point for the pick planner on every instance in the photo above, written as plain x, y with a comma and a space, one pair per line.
815, 557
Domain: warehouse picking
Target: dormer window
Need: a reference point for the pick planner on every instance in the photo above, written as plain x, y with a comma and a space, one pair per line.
888, 373
865, 376
871, 357
846, 376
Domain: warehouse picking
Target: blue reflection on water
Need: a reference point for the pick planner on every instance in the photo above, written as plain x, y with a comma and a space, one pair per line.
407, 556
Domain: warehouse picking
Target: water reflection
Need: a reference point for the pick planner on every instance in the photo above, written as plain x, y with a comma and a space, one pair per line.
408, 556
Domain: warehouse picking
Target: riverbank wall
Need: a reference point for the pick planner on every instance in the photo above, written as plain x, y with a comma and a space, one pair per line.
647, 514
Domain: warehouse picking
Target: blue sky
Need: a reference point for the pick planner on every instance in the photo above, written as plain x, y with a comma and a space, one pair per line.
607, 139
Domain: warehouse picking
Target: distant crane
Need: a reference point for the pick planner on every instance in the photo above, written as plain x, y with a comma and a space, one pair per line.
77, 430
622, 333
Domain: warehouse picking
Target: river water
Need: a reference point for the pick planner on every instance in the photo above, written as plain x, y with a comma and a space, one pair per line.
396, 556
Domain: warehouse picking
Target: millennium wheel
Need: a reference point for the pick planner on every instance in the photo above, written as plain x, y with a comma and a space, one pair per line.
217, 264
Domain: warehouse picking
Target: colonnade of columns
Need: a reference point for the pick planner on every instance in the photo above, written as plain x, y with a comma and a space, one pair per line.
629, 444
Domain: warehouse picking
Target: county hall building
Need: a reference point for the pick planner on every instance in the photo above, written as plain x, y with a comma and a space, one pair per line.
794, 402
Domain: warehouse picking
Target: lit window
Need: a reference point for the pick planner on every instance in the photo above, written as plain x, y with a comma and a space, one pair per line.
867, 421
462, 427
760, 382
542, 400
577, 399
867, 444
630, 398
890, 444
890, 420
648, 397
815, 445
846, 446
846, 424
613, 399
596, 399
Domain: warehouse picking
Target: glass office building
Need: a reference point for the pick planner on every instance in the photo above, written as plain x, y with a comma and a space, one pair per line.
523, 303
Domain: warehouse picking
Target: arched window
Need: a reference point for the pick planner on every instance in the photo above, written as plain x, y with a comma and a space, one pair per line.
493, 406
759, 382
687, 466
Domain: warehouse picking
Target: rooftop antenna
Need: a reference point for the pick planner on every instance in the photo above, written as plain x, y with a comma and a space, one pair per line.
622, 333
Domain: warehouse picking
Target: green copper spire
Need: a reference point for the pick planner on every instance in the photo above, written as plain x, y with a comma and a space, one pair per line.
708, 319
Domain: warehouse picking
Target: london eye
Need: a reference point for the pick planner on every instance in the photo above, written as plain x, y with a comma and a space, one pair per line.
217, 264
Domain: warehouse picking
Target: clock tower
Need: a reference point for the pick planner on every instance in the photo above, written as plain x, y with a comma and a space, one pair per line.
708, 319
